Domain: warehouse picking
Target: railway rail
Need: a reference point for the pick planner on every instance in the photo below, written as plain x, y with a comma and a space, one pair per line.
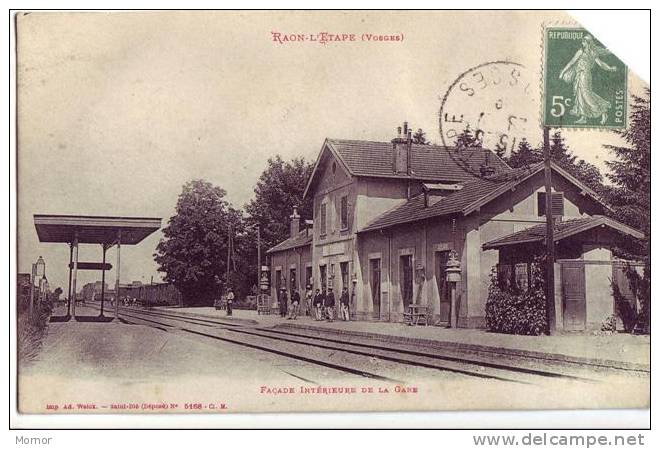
313, 348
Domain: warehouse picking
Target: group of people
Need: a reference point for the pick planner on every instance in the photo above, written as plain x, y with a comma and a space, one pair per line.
319, 304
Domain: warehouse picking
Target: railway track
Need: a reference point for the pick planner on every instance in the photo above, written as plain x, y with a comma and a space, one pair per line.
317, 347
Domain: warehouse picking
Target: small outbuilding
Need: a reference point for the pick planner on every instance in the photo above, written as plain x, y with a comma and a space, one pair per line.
584, 267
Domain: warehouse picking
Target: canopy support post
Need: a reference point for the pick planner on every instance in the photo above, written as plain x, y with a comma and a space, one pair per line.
118, 275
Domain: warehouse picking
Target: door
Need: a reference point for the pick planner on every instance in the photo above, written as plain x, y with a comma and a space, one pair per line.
573, 296
441, 258
343, 268
278, 282
375, 287
324, 277
406, 280
293, 286
308, 276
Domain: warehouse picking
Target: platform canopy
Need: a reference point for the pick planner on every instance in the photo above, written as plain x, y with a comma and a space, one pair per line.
94, 229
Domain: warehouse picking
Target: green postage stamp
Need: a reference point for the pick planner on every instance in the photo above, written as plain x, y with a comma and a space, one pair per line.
585, 84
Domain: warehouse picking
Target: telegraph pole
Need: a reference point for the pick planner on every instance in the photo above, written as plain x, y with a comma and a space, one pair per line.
258, 258
549, 236
228, 255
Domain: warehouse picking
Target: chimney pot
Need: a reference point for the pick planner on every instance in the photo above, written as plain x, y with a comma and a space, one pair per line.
295, 222
405, 128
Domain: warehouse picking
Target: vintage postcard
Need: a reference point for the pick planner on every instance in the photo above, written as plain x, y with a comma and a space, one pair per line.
229, 212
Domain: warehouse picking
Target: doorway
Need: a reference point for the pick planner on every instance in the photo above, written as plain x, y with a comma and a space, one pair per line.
573, 296
374, 269
406, 280
324, 277
293, 286
441, 258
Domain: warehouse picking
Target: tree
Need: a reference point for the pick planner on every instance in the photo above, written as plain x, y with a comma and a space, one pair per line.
420, 138
524, 155
280, 187
467, 139
193, 251
630, 194
630, 172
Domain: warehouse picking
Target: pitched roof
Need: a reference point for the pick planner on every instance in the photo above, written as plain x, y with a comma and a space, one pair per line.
475, 193
302, 239
428, 162
562, 230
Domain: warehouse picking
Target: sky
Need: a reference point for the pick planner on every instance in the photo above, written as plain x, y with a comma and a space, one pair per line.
116, 111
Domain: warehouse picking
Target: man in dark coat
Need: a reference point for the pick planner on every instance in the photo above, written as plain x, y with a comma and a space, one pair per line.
343, 305
318, 305
330, 304
284, 299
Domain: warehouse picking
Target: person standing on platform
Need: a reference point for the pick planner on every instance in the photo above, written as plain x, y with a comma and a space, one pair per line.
308, 300
284, 299
330, 304
318, 305
230, 301
295, 305
343, 305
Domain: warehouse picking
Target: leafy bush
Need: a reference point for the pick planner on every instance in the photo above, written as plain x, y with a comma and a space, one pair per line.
634, 320
511, 311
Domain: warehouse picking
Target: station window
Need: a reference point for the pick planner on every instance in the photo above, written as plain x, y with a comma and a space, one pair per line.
522, 276
323, 217
344, 212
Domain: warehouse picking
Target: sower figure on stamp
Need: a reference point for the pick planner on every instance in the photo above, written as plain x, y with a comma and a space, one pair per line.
587, 104
230, 301
295, 305
343, 305
284, 298
330, 304
318, 305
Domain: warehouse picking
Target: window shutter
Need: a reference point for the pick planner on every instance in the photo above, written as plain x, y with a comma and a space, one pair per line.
557, 204
540, 203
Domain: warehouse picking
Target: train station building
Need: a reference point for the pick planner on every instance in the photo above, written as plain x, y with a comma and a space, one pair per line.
388, 215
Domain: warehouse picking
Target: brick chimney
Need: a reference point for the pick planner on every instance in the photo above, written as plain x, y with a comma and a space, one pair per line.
295, 222
402, 144
486, 169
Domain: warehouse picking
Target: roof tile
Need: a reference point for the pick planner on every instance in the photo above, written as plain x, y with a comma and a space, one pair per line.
428, 162
302, 239
562, 230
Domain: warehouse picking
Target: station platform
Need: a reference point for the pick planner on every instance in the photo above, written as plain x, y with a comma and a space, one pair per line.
615, 350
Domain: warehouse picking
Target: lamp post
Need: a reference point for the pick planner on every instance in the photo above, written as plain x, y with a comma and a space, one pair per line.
41, 275
38, 273
453, 272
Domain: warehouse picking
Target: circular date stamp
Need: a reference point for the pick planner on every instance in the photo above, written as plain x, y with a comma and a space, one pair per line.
493, 100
